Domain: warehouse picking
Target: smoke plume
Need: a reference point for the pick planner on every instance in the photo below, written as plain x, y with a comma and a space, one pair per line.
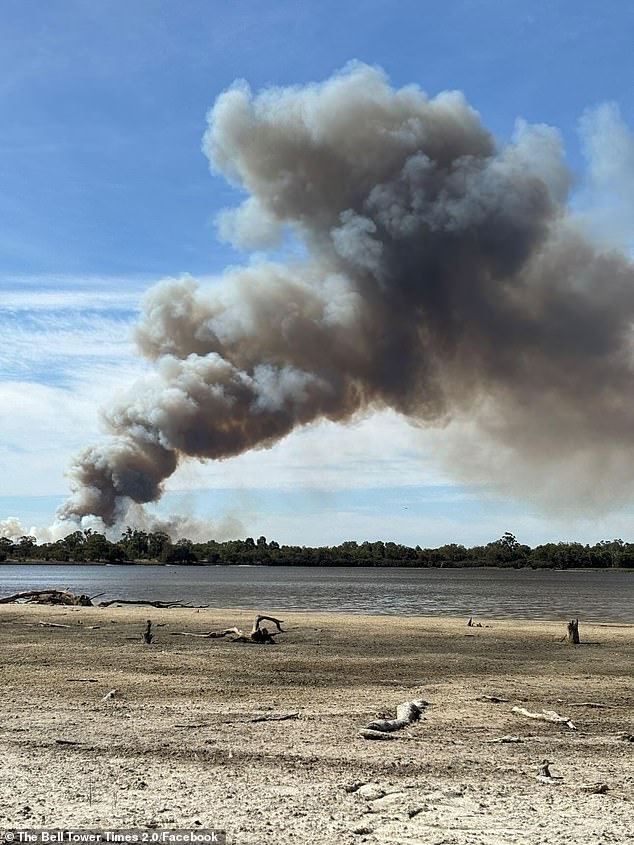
438, 273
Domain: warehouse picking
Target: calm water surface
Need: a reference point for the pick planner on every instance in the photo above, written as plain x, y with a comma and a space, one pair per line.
592, 596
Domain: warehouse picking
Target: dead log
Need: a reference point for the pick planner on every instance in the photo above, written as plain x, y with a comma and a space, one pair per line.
208, 635
276, 622
545, 716
147, 636
275, 717
163, 605
49, 596
573, 632
257, 634
54, 625
494, 699
406, 714
368, 733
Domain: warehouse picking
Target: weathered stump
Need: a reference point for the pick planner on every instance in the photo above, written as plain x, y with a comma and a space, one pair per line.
147, 635
573, 632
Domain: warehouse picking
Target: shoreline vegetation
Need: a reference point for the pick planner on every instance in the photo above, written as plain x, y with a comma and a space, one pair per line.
141, 547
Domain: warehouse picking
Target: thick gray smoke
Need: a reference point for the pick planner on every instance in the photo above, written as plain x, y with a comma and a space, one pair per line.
440, 275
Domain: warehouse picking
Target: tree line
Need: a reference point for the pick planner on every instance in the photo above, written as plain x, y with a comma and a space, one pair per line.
136, 546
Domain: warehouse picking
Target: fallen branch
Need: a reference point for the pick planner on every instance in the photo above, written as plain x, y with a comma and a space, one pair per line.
368, 733
591, 704
159, 604
406, 714
51, 596
257, 634
274, 717
545, 716
276, 622
494, 699
81, 680
67, 742
54, 625
209, 635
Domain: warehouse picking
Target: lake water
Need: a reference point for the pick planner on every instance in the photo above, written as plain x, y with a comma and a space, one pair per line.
596, 596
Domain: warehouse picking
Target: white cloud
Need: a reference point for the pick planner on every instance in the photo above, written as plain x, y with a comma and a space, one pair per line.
605, 201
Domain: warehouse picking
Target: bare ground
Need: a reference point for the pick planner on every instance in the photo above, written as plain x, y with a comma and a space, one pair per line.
179, 747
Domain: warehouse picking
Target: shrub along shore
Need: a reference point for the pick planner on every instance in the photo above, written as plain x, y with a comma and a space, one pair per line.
135, 546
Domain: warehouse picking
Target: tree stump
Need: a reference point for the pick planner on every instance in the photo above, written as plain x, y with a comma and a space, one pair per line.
147, 635
573, 632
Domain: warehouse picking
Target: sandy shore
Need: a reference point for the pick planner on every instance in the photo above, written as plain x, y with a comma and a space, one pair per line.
183, 745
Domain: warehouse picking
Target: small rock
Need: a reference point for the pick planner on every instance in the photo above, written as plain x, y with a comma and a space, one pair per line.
370, 792
388, 800
595, 788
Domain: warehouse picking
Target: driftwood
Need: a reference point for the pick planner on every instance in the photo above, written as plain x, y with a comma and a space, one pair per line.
472, 624
51, 596
406, 714
257, 634
54, 625
545, 776
114, 693
494, 699
81, 680
545, 716
275, 717
573, 632
160, 604
368, 733
208, 635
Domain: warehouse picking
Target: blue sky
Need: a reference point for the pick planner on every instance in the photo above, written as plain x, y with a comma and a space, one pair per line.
104, 190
